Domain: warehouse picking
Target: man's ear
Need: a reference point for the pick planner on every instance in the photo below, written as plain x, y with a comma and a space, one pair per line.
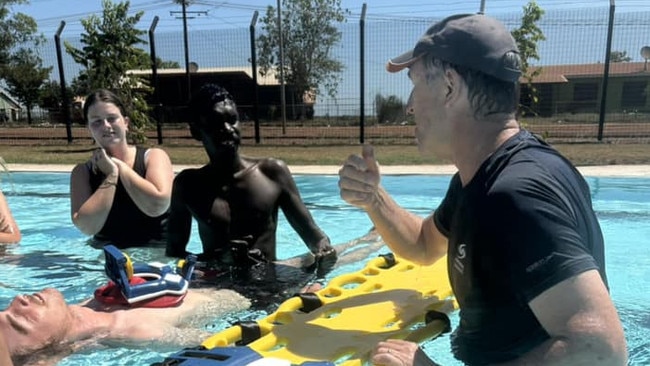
127, 122
454, 86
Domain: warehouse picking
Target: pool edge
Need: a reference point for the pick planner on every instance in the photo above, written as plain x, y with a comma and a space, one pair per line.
603, 170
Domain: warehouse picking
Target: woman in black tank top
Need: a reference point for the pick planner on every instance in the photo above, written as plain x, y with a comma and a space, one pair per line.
122, 194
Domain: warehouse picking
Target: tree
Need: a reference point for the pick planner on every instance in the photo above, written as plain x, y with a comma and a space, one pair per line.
50, 95
527, 36
50, 98
619, 56
143, 62
389, 110
110, 51
25, 75
309, 33
15, 29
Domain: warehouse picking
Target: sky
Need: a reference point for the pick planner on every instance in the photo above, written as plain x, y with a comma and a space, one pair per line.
573, 35
238, 13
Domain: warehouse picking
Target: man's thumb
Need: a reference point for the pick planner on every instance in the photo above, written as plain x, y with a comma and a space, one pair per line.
368, 154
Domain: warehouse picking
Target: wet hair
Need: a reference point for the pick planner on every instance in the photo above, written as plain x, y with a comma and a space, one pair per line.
29, 355
487, 94
106, 96
202, 105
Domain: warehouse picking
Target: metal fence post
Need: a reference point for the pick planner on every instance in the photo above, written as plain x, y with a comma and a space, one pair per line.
65, 104
256, 101
154, 79
362, 81
603, 97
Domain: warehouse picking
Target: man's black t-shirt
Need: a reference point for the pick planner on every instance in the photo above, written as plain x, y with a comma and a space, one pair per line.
523, 224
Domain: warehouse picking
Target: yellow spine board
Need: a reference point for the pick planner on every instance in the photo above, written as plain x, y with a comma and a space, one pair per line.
359, 309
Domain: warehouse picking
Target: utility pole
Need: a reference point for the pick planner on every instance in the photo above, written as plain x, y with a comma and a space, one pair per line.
482, 9
184, 13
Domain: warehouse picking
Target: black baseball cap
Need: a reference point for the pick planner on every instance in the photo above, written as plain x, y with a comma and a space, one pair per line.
475, 41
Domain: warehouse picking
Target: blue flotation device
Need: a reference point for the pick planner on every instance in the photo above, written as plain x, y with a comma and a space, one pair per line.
229, 356
143, 284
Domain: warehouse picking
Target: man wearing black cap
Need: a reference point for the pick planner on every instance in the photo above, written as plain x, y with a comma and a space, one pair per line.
524, 247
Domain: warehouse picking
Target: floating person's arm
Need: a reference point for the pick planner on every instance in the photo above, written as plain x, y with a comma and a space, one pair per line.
9, 231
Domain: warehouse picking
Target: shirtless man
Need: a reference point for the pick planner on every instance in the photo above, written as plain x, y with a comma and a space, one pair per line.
42, 328
235, 199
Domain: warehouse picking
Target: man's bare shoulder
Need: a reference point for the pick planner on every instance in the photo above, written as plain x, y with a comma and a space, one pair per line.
273, 168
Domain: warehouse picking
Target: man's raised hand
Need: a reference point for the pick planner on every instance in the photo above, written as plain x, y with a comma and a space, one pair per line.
359, 178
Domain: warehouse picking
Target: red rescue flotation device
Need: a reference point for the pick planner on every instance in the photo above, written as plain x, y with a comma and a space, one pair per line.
111, 294
153, 285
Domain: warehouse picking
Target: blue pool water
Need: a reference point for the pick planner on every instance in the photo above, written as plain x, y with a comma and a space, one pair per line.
54, 254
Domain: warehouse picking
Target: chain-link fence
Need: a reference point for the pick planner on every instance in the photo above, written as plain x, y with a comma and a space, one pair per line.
574, 101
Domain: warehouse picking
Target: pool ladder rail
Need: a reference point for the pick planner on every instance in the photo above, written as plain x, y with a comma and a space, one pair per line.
339, 324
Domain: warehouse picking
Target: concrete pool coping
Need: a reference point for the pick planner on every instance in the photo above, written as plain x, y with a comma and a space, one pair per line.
604, 170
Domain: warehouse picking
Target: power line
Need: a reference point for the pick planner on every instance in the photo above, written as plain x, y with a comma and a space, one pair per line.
186, 43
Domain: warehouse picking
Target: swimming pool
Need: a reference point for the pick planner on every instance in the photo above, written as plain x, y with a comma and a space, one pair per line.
54, 253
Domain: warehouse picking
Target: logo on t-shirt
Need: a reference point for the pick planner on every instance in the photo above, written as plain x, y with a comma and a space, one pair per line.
458, 259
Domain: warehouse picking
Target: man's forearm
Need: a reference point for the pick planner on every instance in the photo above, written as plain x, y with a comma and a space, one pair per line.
561, 352
399, 228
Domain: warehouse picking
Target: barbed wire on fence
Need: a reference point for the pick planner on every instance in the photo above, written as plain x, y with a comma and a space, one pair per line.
573, 37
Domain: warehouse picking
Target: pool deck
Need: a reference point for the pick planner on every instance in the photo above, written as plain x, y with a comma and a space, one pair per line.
605, 170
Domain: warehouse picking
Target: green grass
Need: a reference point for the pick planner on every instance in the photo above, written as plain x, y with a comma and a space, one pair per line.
579, 154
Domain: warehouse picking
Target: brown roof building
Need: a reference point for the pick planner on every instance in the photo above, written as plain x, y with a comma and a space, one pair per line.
578, 88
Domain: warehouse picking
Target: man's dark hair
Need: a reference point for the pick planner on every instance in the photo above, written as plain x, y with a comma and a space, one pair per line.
203, 104
203, 101
487, 94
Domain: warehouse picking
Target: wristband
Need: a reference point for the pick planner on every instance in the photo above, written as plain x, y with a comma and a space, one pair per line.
108, 183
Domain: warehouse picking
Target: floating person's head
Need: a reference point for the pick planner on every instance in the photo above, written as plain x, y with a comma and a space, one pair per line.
36, 322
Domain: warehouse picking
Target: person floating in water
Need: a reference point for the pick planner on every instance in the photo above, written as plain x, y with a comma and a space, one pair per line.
235, 199
41, 328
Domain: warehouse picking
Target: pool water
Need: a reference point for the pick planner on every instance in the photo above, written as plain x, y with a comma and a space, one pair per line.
53, 253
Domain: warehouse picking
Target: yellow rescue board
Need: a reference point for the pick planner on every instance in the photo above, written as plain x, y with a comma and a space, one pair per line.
389, 298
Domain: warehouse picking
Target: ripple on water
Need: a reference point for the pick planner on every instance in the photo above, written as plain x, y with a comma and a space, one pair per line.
54, 253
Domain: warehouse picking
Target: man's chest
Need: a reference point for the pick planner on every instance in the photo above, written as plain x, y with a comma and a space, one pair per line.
468, 242
247, 200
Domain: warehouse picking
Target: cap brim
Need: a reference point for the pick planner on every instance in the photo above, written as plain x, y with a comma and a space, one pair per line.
401, 62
